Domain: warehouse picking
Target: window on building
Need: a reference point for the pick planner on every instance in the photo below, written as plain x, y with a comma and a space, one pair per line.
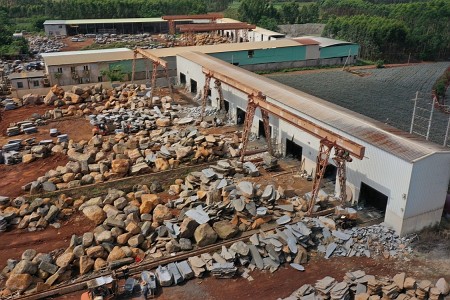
60, 26
72, 69
35, 83
86, 68
20, 85
59, 70
100, 78
250, 53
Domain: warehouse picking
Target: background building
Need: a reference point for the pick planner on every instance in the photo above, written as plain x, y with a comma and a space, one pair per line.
27, 80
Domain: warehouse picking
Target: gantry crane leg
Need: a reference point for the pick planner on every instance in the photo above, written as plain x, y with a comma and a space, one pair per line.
250, 114
341, 158
321, 164
169, 84
153, 82
205, 94
218, 86
265, 117
133, 67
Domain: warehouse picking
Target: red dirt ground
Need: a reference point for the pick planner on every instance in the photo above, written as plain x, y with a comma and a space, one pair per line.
15, 176
283, 282
42, 241
75, 46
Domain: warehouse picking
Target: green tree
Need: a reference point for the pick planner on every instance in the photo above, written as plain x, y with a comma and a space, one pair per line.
113, 74
289, 12
253, 11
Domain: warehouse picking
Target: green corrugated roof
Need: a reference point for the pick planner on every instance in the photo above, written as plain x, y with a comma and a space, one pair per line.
102, 21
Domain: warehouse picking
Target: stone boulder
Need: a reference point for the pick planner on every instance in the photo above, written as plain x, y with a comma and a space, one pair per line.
116, 254
204, 235
149, 202
32, 99
120, 166
50, 98
65, 259
188, 227
77, 90
163, 122
74, 98
161, 164
443, 286
161, 213
81, 157
225, 229
95, 213
19, 282
25, 267
86, 264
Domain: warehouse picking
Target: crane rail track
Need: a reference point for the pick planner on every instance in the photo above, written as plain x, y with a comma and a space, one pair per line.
136, 268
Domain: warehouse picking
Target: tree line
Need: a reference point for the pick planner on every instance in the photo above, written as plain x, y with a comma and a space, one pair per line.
10, 47
90, 9
393, 30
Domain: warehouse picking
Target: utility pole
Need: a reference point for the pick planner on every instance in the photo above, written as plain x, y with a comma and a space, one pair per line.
431, 117
447, 132
414, 112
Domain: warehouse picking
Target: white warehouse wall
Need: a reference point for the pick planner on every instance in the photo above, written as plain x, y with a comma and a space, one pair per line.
404, 185
427, 192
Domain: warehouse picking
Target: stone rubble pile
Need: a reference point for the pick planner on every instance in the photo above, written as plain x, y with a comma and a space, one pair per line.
36, 215
360, 286
111, 157
205, 39
212, 204
44, 44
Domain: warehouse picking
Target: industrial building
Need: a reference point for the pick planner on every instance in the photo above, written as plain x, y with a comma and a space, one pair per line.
27, 80
78, 67
401, 174
165, 24
102, 26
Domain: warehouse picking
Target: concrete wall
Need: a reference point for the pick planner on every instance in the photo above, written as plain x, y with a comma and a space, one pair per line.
405, 184
427, 192
44, 91
28, 83
259, 56
52, 30
339, 51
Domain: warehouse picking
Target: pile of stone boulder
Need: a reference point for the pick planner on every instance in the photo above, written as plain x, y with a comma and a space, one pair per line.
360, 286
212, 204
110, 157
36, 215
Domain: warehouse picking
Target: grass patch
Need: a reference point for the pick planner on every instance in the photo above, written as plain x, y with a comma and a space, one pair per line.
288, 70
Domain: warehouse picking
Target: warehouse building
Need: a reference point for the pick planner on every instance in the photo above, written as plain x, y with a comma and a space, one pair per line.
333, 52
76, 67
258, 34
102, 26
27, 80
400, 174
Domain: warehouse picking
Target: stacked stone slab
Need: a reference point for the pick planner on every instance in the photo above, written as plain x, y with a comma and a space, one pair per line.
357, 285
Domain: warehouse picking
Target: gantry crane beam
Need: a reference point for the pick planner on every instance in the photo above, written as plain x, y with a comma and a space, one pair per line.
355, 149
156, 61
152, 57
214, 27
212, 17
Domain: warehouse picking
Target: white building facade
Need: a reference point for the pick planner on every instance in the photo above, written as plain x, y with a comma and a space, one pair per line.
410, 175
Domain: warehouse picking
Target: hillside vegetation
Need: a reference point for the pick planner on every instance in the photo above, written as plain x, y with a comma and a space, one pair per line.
391, 30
